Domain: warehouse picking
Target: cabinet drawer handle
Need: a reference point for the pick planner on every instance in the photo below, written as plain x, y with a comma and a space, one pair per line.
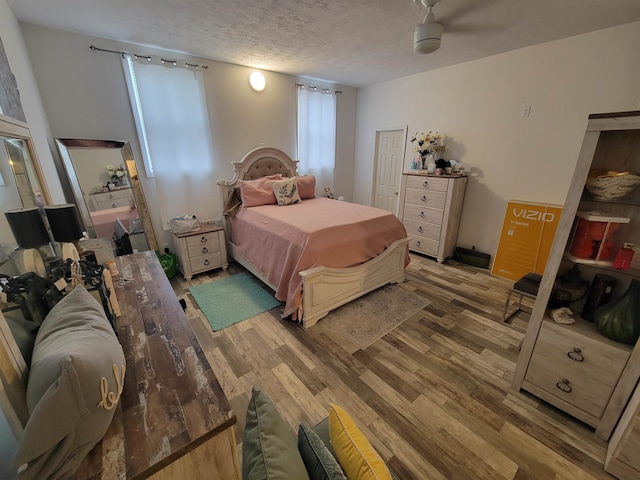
424, 198
203, 240
418, 244
421, 214
564, 386
420, 230
205, 250
110, 196
576, 355
425, 184
113, 205
207, 262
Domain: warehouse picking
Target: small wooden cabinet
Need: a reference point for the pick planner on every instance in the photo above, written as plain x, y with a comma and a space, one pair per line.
120, 197
201, 250
430, 208
574, 367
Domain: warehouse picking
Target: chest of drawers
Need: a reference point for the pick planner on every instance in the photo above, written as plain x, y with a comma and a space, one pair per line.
201, 250
430, 208
112, 199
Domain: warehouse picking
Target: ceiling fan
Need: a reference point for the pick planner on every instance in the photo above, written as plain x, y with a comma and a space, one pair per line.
427, 35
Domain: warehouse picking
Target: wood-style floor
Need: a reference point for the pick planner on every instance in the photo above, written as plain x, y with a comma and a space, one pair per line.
433, 396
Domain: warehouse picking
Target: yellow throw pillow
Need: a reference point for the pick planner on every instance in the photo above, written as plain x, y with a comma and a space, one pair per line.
357, 457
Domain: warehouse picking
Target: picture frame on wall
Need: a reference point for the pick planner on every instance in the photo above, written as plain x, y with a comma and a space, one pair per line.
10, 104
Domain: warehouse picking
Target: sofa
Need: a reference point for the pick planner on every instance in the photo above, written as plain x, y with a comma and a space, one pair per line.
335, 449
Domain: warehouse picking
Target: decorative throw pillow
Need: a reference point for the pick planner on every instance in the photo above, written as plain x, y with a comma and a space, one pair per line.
320, 463
286, 191
306, 186
258, 192
75, 382
356, 455
269, 450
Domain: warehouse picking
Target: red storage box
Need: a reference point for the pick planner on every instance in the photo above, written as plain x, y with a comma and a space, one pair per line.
592, 239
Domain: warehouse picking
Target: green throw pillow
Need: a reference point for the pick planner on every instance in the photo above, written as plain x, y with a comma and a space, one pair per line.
75, 382
320, 463
269, 450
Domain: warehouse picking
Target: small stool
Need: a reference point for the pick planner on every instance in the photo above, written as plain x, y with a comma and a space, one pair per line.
528, 287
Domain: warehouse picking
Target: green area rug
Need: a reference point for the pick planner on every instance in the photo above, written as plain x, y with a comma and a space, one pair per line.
232, 300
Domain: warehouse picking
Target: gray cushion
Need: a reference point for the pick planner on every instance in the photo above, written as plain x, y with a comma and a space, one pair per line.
269, 449
77, 370
319, 461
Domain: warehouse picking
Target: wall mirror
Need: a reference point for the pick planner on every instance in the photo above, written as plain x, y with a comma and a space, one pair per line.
107, 190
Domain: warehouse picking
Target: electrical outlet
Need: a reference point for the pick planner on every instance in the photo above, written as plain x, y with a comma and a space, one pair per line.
526, 110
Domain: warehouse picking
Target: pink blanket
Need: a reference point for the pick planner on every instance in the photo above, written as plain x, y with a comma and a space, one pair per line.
283, 241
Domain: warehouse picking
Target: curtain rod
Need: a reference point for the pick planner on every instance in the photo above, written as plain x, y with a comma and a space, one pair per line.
149, 58
315, 88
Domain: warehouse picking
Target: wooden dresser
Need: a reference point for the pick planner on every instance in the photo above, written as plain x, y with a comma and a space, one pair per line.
430, 208
173, 420
119, 197
201, 250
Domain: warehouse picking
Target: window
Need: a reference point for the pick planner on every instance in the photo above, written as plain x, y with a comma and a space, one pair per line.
317, 134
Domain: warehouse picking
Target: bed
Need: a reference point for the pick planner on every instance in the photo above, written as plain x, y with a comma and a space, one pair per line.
300, 250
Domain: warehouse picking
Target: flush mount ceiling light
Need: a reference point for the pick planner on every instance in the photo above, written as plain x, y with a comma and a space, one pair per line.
257, 81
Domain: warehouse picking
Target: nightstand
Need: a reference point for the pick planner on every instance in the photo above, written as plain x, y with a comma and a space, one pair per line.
201, 250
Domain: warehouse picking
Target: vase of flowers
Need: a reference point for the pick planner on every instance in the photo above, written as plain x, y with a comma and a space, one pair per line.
117, 175
427, 146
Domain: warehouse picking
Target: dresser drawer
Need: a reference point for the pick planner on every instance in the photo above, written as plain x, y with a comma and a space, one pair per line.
422, 229
425, 198
207, 248
423, 214
205, 262
576, 368
423, 245
427, 183
211, 240
115, 203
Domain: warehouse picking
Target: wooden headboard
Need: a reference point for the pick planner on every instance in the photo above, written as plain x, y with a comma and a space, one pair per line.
258, 163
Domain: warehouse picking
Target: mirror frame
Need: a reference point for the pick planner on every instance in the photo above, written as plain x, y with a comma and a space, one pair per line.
64, 144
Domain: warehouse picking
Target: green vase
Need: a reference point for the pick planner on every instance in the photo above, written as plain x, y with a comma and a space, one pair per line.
620, 320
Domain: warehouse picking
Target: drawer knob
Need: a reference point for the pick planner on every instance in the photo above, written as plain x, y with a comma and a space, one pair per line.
420, 229
424, 198
113, 205
110, 196
207, 262
576, 355
425, 184
418, 244
563, 385
205, 250
421, 214
203, 240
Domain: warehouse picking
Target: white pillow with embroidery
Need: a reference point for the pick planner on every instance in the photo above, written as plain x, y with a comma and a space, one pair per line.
286, 191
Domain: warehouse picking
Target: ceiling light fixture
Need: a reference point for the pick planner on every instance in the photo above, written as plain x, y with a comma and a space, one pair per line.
257, 81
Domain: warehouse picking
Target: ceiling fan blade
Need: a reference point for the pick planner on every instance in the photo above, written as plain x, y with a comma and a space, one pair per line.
471, 28
469, 8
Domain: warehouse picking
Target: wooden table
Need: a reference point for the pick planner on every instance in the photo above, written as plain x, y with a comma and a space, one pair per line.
173, 420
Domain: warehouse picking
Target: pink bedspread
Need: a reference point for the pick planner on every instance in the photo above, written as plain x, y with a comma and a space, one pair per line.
283, 241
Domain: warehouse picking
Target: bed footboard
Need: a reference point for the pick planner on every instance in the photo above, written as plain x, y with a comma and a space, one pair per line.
325, 288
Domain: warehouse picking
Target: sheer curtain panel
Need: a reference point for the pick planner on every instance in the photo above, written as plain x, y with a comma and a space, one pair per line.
317, 135
173, 128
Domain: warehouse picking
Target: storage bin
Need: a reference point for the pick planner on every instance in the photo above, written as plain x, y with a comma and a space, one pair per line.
592, 239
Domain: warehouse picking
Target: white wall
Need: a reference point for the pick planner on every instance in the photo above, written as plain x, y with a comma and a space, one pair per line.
478, 106
85, 96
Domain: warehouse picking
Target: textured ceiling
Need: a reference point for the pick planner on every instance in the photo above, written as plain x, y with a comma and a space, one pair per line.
352, 42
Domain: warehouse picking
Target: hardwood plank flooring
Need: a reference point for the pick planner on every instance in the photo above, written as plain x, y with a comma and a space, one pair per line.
433, 396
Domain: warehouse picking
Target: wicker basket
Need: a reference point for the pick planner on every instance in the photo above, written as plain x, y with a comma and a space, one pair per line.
605, 185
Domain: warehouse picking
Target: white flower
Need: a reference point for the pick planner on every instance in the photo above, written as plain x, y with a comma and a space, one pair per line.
427, 144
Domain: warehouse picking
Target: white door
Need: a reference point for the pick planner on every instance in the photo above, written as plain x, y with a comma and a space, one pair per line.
388, 169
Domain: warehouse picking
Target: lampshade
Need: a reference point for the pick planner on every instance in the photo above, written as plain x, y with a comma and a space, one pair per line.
28, 227
64, 222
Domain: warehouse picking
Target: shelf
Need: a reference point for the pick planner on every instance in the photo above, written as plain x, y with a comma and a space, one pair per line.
602, 264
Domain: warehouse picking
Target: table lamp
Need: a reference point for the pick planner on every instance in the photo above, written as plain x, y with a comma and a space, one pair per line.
65, 228
30, 233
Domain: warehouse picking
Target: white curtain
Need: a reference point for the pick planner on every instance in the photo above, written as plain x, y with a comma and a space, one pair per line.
173, 128
317, 136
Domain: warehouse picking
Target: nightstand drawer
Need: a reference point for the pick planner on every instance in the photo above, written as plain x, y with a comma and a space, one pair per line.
205, 262
423, 214
575, 368
422, 229
208, 248
115, 203
209, 240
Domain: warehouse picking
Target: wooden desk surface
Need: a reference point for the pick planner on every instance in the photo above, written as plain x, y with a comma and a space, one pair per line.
172, 401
